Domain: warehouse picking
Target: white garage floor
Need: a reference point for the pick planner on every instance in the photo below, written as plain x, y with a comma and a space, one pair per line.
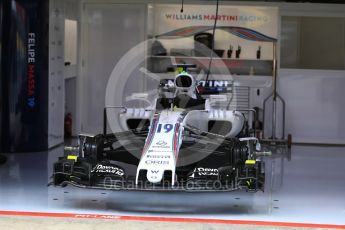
306, 187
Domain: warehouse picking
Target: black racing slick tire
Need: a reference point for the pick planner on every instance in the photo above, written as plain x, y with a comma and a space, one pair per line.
3, 159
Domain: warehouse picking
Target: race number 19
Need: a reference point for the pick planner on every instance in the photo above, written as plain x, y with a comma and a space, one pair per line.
167, 128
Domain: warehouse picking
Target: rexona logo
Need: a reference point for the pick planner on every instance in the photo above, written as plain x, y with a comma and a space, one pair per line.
99, 168
161, 143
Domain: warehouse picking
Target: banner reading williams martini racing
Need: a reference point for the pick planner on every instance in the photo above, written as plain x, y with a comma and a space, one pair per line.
260, 19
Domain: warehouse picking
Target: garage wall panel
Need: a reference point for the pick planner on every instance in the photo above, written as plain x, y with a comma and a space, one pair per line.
315, 111
108, 32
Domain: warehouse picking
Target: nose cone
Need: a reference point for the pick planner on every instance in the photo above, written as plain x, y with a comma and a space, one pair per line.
155, 175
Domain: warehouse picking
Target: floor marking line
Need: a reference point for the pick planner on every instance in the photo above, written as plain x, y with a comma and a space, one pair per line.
171, 219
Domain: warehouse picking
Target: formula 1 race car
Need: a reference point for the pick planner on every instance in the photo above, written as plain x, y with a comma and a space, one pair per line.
185, 141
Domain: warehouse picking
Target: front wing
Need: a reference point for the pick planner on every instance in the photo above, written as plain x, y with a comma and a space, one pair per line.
96, 163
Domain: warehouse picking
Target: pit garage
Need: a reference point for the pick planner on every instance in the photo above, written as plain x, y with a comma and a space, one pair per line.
168, 114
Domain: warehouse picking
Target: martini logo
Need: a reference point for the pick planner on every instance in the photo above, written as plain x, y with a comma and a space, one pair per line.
209, 83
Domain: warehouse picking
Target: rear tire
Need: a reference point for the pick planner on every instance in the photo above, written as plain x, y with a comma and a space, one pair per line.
3, 159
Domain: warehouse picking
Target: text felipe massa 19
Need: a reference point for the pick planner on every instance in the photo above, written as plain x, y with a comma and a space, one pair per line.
186, 140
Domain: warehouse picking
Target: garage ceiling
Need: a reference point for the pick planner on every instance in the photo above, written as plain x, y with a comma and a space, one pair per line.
301, 1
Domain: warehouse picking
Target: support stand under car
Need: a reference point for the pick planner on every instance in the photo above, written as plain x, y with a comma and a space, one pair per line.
274, 100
